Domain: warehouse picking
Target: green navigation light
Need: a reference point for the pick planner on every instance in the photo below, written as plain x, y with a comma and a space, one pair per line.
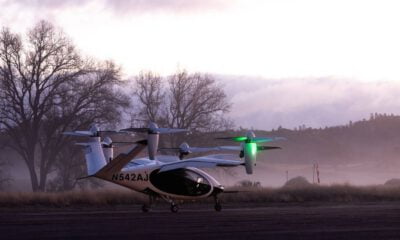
239, 139
253, 148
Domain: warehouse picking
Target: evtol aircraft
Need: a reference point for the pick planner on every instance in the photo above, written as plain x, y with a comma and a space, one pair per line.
171, 181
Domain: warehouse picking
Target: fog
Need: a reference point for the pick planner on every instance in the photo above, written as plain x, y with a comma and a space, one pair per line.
264, 104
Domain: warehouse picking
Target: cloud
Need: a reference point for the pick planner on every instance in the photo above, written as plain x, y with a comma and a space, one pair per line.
167, 5
318, 102
126, 6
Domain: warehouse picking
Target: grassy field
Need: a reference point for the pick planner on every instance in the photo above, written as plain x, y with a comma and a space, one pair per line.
311, 193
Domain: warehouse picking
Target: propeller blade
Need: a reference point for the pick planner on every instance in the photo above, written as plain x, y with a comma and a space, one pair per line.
261, 139
261, 148
125, 142
140, 130
120, 144
109, 131
266, 139
79, 133
235, 139
170, 130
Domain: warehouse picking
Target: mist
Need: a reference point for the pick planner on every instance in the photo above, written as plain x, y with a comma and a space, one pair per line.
266, 104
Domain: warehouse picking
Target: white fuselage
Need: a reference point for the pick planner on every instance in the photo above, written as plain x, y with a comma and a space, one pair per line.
184, 183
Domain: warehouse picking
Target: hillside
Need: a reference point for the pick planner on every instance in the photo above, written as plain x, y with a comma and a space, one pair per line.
375, 140
362, 152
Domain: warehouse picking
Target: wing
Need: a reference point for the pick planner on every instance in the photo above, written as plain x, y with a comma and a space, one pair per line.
203, 149
231, 148
200, 162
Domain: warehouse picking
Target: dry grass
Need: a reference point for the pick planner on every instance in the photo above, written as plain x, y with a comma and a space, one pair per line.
312, 193
71, 198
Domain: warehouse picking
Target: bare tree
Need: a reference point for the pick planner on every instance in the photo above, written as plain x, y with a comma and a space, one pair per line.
92, 99
46, 88
151, 94
194, 101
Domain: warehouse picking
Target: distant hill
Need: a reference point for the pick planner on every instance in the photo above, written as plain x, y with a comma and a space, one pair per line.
374, 140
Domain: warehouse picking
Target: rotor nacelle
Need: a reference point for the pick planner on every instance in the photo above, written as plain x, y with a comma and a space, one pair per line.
153, 132
249, 148
108, 149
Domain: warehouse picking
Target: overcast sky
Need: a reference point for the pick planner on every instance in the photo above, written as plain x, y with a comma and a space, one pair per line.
291, 62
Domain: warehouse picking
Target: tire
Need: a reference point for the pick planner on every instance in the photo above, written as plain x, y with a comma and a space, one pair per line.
174, 208
218, 207
145, 208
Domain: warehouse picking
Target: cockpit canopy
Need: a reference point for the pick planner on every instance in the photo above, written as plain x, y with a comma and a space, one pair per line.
181, 181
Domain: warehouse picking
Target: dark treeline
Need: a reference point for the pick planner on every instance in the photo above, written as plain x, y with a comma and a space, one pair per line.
374, 140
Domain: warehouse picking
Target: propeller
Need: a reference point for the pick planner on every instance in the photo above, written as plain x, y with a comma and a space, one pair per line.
94, 131
262, 148
154, 129
108, 143
251, 138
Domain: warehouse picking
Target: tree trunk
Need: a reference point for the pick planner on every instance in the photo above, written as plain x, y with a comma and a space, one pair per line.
33, 175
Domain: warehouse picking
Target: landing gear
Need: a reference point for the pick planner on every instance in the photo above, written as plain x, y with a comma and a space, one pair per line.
217, 206
147, 207
174, 208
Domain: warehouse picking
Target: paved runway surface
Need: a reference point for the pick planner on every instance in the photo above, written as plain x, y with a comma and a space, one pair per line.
277, 221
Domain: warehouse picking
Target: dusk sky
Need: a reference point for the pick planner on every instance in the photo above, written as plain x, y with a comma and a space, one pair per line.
285, 62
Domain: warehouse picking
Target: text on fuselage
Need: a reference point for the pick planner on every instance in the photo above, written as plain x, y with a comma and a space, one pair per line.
130, 177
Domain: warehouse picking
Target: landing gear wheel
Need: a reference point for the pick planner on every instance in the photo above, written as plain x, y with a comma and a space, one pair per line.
174, 208
218, 207
145, 208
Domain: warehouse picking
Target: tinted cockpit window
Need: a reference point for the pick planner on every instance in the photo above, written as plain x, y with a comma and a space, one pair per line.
181, 182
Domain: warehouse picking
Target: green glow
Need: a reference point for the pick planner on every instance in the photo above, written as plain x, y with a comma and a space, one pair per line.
253, 148
239, 139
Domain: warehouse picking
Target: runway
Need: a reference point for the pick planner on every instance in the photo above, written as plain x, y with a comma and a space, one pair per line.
262, 221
